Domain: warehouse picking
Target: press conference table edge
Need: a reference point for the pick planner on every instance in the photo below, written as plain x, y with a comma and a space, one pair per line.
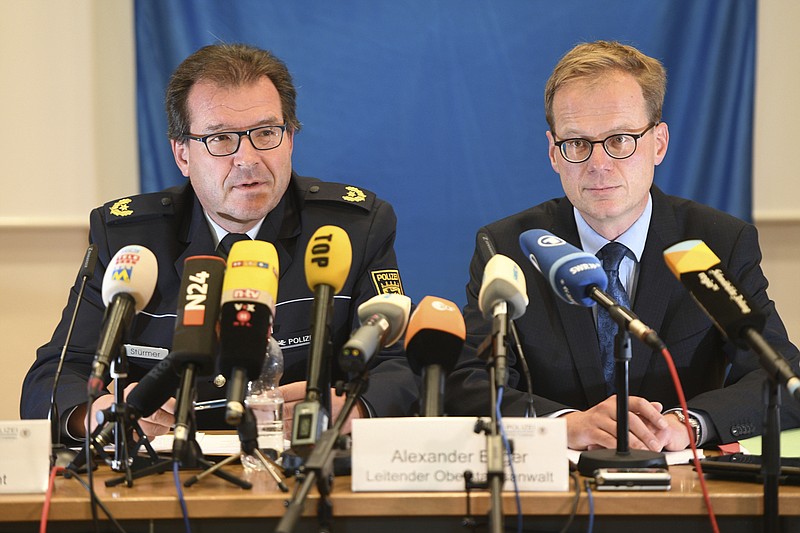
154, 497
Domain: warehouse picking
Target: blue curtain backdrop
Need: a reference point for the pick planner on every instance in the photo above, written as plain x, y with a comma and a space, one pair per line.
437, 106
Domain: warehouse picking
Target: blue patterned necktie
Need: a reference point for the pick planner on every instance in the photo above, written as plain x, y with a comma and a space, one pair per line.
227, 242
611, 254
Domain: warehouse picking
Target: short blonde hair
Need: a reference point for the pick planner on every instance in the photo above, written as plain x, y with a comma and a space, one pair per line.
591, 60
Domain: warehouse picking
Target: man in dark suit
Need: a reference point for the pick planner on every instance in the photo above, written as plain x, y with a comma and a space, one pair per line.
232, 120
603, 105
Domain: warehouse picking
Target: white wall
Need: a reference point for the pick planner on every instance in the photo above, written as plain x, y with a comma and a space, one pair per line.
81, 92
68, 77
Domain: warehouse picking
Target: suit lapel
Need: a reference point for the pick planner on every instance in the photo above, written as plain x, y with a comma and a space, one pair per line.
197, 236
652, 291
579, 326
282, 227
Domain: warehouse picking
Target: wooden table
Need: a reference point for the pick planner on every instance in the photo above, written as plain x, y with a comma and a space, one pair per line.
214, 504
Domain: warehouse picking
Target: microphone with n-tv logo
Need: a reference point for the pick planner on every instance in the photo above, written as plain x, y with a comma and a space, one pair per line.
434, 338
128, 284
734, 313
249, 291
578, 278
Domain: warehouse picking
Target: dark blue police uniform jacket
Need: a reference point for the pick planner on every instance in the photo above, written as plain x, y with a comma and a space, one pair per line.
172, 225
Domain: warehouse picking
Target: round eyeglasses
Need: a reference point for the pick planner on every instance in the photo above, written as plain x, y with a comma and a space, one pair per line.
227, 142
618, 146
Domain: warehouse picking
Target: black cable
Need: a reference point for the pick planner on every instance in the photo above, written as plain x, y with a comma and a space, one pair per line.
113, 520
574, 475
94, 500
530, 410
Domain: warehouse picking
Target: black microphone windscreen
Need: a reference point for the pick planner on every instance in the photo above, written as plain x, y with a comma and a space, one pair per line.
195, 337
433, 347
244, 328
155, 388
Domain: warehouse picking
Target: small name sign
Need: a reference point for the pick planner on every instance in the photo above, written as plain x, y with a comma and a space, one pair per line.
432, 454
24, 456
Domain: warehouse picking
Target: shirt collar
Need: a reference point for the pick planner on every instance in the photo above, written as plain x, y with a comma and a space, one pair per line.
218, 232
634, 237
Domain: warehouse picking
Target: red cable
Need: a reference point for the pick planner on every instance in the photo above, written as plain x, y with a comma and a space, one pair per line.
48, 496
682, 399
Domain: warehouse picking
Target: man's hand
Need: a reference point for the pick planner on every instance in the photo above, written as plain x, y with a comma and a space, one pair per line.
294, 393
597, 427
675, 434
159, 423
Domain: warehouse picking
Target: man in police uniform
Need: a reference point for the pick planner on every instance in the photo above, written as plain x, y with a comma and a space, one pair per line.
231, 112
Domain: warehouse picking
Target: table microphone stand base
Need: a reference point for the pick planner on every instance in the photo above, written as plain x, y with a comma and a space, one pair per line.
591, 460
61, 456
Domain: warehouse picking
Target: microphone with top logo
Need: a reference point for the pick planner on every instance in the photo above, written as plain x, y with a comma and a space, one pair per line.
194, 343
327, 264
383, 321
434, 338
128, 284
249, 291
733, 313
578, 278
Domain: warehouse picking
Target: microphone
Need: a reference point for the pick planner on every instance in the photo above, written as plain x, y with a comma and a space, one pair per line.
194, 343
84, 275
434, 338
503, 296
327, 264
578, 278
383, 320
733, 313
128, 284
486, 250
249, 292
503, 283
156, 387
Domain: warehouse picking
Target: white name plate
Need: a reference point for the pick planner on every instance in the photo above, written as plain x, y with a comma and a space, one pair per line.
24, 455
432, 453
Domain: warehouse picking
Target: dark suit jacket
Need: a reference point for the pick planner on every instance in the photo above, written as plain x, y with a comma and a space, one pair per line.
559, 340
172, 225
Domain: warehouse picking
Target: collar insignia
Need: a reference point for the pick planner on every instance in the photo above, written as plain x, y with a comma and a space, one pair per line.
354, 194
121, 208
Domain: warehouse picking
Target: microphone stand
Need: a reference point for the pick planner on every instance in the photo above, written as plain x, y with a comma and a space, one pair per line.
191, 455
318, 467
623, 456
311, 417
60, 454
771, 455
495, 473
776, 367
248, 436
120, 419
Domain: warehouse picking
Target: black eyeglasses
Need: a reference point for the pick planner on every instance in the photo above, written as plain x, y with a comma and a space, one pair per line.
618, 146
227, 142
